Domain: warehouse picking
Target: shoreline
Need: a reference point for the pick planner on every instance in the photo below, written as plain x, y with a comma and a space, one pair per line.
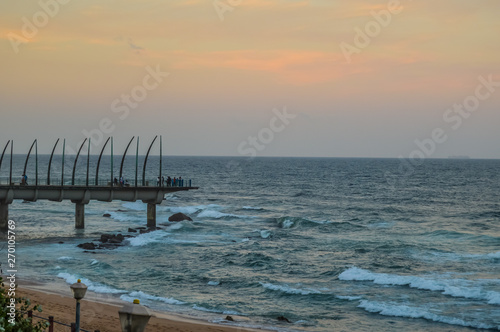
99, 314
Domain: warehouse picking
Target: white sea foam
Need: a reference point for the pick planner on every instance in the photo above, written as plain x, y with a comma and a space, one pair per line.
144, 296
495, 255
177, 225
65, 258
287, 223
471, 289
170, 197
122, 216
252, 208
189, 209
265, 234
218, 215
349, 298
213, 283
290, 290
147, 238
94, 262
92, 286
401, 310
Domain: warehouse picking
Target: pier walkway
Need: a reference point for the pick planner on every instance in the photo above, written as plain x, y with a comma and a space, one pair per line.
82, 194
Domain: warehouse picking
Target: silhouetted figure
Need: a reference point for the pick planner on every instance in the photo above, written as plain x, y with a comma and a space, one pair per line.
169, 181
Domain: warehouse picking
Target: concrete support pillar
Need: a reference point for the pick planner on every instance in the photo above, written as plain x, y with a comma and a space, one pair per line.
79, 215
4, 217
151, 215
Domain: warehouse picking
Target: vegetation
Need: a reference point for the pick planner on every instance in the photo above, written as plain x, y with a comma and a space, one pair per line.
14, 318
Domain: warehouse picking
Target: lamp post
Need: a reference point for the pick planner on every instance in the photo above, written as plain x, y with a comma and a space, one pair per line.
134, 317
79, 289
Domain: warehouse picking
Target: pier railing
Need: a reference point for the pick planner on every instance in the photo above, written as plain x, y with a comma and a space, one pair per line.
16, 174
5, 181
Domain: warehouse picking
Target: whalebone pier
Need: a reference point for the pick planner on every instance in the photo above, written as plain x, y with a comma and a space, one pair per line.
58, 189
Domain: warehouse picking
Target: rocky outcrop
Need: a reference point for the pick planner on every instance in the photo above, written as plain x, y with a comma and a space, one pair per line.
179, 217
87, 246
283, 319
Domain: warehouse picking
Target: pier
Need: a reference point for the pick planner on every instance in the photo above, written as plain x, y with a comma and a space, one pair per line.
82, 193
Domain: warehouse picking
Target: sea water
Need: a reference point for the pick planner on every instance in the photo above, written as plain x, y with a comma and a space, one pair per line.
329, 244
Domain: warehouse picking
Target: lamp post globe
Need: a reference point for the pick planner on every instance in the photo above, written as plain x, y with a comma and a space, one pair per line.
79, 289
134, 317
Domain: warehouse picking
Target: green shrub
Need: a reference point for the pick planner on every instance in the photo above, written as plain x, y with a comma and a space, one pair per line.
14, 319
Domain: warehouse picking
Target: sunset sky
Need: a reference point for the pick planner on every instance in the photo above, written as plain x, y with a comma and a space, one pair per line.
355, 78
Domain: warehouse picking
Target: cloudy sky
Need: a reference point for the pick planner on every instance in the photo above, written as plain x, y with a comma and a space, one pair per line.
331, 78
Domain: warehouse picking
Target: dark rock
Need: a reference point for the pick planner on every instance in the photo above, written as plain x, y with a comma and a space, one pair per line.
106, 237
60, 242
229, 318
283, 319
128, 236
140, 228
131, 230
142, 231
109, 246
179, 217
87, 246
107, 215
116, 239
122, 210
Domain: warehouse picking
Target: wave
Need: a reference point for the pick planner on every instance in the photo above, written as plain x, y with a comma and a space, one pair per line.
265, 234
218, 215
470, 289
401, 310
147, 238
144, 297
290, 290
92, 286
287, 222
252, 208
121, 216
126, 296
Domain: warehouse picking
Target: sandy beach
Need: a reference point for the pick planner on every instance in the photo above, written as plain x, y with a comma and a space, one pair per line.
104, 316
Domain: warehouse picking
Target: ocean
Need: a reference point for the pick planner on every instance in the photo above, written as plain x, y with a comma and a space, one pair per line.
330, 244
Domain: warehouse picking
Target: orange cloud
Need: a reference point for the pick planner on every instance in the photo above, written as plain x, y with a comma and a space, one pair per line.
290, 66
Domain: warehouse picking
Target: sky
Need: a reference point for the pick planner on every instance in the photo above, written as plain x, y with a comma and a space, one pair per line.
319, 78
